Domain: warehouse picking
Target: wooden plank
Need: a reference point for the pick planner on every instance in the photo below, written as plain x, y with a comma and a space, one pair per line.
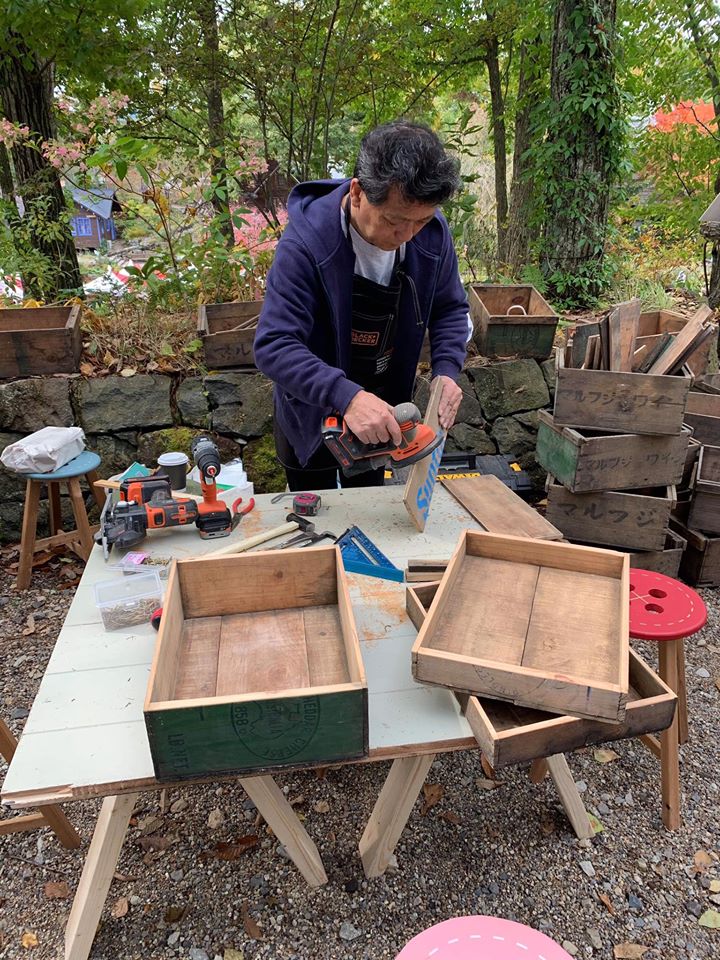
262, 581
391, 812
569, 796
282, 819
622, 330
497, 595
580, 603
262, 652
620, 402
97, 875
582, 334
326, 659
618, 519
420, 484
166, 658
197, 668
665, 561
561, 556
678, 348
498, 509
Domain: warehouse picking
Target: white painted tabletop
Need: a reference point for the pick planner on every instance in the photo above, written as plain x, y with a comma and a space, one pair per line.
85, 735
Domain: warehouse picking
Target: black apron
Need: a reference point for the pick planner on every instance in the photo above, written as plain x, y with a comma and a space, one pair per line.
374, 320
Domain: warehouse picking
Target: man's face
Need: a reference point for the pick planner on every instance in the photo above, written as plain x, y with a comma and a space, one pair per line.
388, 225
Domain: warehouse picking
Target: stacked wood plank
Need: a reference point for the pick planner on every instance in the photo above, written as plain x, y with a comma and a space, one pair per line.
616, 445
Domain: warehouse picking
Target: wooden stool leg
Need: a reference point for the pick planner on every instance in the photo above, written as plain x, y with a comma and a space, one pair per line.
29, 533
669, 753
681, 691
81, 520
391, 812
55, 509
97, 492
97, 875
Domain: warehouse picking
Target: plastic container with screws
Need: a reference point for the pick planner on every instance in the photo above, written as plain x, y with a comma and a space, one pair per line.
128, 601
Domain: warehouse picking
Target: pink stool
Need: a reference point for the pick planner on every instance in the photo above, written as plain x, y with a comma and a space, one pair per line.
667, 611
481, 938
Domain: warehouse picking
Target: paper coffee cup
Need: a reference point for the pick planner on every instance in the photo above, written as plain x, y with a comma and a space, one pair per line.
175, 465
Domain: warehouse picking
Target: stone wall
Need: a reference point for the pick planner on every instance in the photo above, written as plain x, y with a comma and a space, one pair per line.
139, 417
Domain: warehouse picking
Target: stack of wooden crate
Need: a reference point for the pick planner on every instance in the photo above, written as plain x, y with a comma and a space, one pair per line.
616, 445
696, 517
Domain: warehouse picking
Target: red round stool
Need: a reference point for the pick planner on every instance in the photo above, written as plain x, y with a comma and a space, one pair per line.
481, 938
665, 610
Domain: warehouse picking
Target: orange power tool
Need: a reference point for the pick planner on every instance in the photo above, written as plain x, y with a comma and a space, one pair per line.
418, 441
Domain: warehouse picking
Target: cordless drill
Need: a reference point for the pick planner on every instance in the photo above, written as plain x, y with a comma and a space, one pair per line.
214, 518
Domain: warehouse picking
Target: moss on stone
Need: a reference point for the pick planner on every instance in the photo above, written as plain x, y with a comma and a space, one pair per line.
262, 467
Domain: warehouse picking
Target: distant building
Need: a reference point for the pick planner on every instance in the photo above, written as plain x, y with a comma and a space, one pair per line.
92, 221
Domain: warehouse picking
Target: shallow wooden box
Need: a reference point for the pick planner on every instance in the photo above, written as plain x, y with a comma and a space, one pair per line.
541, 624
615, 518
257, 666
588, 461
39, 340
509, 735
700, 564
620, 402
665, 561
227, 331
702, 413
704, 511
499, 333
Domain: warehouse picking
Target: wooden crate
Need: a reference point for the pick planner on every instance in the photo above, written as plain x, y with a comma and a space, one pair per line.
509, 735
39, 340
519, 333
541, 624
704, 511
257, 666
588, 461
227, 331
620, 402
703, 415
665, 561
700, 564
636, 520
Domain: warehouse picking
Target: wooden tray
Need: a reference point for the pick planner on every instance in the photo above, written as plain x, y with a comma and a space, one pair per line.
257, 666
39, 340
637, 520
541, 624
509, 735
587, 461
620, 402
515, 334
227, 331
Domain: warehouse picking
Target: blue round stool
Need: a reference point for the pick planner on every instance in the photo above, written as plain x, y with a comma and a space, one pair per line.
80, 540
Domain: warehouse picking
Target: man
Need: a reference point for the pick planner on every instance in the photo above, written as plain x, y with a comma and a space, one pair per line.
363, 268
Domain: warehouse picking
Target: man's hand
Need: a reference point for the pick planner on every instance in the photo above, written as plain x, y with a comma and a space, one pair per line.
371, 419
449, 402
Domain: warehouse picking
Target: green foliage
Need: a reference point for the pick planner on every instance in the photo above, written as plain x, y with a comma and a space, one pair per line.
260, 461
19, 252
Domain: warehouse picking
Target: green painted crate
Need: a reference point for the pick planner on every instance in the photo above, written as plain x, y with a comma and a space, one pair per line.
257, 667
511, 321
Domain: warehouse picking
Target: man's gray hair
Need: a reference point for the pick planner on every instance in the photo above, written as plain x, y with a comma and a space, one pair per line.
409, 156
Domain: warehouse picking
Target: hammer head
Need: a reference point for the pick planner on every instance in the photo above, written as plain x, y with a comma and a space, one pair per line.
303, 523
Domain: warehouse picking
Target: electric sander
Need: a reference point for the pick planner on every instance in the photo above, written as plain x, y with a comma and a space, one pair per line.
418, 441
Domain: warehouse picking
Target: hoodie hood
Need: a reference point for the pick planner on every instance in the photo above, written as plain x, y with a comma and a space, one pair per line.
311, 207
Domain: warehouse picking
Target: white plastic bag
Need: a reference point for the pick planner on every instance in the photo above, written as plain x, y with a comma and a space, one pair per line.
45, 450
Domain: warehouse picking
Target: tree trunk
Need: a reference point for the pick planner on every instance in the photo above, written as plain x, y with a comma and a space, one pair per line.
7, 189
497, 107
522, 189
207, 15
582, 147
24, 92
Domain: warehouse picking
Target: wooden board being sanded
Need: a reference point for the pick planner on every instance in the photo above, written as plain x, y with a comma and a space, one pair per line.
421, 482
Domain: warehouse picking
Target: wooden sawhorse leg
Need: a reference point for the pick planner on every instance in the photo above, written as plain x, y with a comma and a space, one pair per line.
97, 875
569, 796
280, 816
392, 811
48, 816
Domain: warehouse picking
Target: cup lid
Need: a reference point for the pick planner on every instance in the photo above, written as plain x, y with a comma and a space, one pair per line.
172, 459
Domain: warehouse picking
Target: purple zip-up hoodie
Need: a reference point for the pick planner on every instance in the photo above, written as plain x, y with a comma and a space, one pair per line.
303, 336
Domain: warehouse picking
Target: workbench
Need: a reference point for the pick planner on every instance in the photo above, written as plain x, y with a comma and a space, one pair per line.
86, 737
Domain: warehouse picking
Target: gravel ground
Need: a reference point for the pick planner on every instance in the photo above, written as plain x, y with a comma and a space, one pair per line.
506, 851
